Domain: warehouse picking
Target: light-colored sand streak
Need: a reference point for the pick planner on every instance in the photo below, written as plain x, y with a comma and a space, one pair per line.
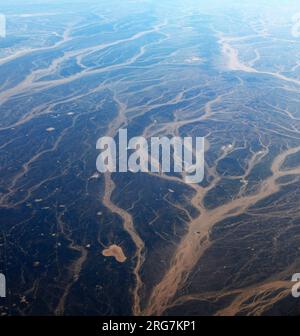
233, 63
128, 224
75, 268
130, 229
32, 83
192, 246
253, 300
256, 300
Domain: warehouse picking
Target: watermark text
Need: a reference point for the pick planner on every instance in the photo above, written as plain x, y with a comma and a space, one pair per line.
2, 286
157, 155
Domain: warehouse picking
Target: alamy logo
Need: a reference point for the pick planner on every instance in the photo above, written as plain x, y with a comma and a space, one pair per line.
296, 287
159, 155
2, 26
2, 286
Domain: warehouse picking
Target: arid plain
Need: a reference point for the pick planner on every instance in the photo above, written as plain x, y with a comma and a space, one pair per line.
77, 242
